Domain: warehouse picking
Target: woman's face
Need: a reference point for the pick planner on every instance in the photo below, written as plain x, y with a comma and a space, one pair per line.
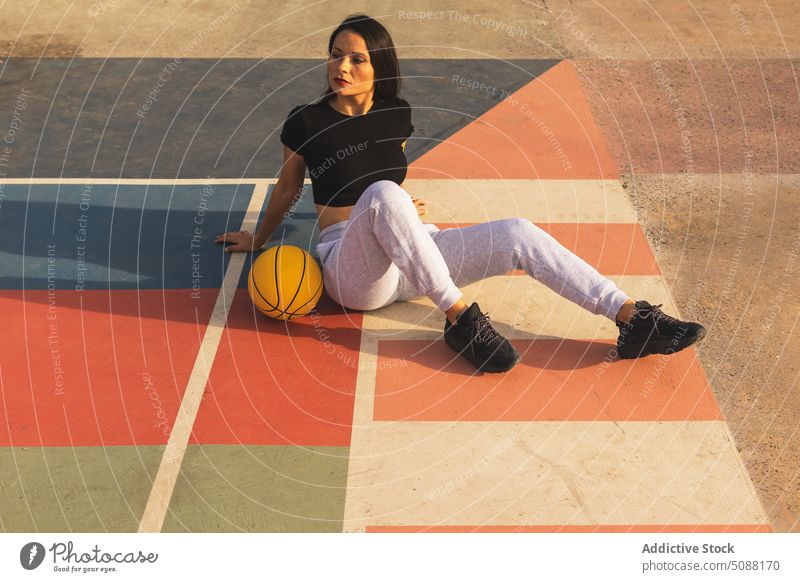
349, 60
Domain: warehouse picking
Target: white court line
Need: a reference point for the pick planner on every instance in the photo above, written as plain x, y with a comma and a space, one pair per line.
363, 404
168, 470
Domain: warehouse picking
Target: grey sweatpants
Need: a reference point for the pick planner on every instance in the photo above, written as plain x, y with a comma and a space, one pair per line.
384, 253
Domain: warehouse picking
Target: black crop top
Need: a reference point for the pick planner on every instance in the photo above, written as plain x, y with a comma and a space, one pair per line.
345, 154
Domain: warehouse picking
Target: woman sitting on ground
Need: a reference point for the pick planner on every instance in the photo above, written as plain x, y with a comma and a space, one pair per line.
374, 248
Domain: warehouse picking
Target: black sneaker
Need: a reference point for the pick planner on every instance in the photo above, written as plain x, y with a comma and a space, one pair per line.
473, 337
651, 331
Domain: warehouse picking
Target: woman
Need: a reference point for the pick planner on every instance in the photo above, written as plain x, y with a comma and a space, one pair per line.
373, 247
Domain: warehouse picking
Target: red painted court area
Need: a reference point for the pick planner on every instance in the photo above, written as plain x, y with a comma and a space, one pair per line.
545, 130
567, 380
97, 367
282, 383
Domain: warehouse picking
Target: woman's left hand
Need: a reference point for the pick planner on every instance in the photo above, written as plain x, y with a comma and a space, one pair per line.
242, 239
420, 204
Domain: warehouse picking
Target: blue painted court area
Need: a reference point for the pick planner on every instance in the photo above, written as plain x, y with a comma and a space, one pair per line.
79, 237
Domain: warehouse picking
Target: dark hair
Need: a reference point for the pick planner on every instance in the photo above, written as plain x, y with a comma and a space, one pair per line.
381, 52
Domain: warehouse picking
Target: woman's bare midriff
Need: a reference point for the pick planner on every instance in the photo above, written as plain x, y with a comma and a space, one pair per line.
329, 215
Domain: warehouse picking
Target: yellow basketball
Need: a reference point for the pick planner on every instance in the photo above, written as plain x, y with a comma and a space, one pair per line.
285, 282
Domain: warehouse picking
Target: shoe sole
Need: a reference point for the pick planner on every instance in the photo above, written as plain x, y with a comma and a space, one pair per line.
665, 347
463, 352
499, 370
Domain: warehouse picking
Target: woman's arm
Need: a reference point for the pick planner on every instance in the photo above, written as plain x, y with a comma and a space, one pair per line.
420, 204
286, 192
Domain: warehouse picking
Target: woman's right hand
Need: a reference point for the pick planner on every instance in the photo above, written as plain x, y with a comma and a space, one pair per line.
242, 241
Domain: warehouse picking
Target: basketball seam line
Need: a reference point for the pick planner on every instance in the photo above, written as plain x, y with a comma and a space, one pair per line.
255, 286
302, 276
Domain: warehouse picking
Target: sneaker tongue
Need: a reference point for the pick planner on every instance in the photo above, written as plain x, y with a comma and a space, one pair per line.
469, 314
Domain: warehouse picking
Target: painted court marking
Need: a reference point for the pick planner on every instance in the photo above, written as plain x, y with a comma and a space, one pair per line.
168, 470
394, 465
482, 200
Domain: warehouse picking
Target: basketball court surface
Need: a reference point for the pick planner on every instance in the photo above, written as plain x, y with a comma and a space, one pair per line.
142, 392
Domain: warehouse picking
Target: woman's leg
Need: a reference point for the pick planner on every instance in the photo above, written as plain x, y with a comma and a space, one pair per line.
493, 248
385, 241
384, 248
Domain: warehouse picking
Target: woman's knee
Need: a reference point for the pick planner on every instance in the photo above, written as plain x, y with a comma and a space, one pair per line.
520, 228
525, 236
384, 191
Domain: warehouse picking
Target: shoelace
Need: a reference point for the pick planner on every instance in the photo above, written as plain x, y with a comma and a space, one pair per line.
481, 329
656, 314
